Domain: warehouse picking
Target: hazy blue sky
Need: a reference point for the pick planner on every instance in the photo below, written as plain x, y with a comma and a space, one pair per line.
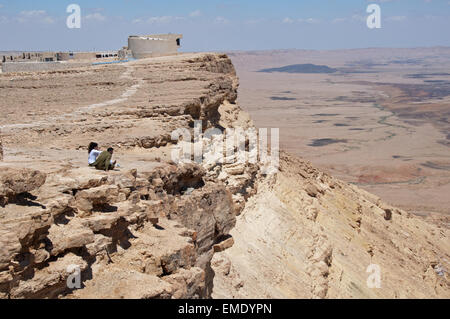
225, 24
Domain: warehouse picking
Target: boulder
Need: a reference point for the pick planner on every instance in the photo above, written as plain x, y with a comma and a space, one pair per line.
49, 281
86, 201
187, 284
9, 248
116, 283
20, 229
72, 235
100, 243
15, 181
224, 245
127, 180
312, 190
101, 221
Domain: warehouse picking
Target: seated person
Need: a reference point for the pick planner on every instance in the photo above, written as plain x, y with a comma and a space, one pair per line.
93, 152
103, 161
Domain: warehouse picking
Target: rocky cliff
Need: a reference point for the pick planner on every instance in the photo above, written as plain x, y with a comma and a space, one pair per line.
156, 229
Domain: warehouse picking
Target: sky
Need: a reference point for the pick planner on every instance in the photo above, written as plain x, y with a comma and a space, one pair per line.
224, 25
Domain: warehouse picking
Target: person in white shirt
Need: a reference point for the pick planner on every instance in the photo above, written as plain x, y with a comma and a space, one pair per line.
94, 152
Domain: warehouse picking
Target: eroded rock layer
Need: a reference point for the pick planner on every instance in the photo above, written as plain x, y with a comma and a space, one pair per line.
156, 229
308, 235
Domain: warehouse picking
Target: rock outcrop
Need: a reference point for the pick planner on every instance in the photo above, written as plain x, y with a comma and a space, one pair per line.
146, 232
1, 148
154, 228
308, 235
15, 182
138, 227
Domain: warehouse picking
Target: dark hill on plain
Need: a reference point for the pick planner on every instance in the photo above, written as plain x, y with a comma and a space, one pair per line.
301, 68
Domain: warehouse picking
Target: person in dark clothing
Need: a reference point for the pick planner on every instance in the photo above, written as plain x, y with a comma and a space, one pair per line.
103, 161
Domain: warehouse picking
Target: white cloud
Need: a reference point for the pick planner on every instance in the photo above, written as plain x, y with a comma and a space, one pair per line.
33, 13
301, 20
339, 20
158, 20
34, 16
95, 16
221, 20
358, 17
161, 19
48, 20
309, 20
196, 13
164, 19
396, 18
254, 21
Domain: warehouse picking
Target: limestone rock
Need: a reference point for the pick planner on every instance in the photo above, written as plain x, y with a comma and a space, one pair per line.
328, 239
222, 246
102, 221
209, 212
1, 148
9, 247
187, 284
100, 243
312, 190
72, 235
50, 281
155, 229
115, 283
88, 200
14, 181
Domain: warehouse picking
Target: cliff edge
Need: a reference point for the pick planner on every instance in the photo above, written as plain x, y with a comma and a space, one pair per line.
157, 229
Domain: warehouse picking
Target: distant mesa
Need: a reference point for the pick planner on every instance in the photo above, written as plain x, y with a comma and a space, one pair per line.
438, 166
326, 114
437, 81
282, 98
404, 158
301, 68
341, 124
425, 75
406, 61
325, 141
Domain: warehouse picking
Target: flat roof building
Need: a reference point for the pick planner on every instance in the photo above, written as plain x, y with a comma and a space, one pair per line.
154, 45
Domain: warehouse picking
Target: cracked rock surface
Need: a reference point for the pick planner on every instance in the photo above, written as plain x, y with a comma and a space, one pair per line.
152, 228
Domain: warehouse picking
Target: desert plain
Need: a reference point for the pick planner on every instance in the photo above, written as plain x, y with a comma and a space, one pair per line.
377, 118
